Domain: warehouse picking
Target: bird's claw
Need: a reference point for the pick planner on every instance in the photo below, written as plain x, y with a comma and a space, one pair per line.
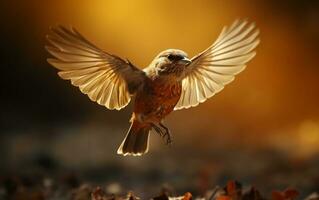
167, 137
169, 140
165, 134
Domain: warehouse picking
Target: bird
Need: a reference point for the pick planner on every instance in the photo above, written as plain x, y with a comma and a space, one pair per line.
172, 81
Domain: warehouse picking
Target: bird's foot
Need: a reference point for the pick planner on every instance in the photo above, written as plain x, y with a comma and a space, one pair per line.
169, 140
164, 132
167, 134
158, 130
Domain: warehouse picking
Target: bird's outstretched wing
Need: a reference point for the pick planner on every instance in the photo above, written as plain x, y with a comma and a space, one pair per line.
105, 78
215, 67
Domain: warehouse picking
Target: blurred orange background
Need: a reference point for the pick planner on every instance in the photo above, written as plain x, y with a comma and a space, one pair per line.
272, 105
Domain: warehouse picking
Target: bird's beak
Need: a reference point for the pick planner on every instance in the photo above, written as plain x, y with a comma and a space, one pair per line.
185, 61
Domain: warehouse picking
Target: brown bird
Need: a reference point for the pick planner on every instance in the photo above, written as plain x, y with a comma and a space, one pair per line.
171, 82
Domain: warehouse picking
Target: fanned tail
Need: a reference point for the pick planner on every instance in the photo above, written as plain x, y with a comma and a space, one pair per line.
136, 140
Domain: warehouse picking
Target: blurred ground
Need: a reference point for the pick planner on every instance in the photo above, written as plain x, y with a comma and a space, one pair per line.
263, 129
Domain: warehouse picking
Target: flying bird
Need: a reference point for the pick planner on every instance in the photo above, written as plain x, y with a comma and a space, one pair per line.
170, 82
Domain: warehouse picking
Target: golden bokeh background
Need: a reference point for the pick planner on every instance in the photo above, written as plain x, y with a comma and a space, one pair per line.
272, 105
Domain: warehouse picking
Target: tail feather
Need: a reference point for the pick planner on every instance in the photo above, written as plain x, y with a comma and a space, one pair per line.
136, 140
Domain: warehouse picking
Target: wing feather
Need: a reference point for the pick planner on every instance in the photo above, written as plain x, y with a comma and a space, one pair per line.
105, 78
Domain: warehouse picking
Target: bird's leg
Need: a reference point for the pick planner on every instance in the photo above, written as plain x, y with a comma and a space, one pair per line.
166, 134
158, 130
163, 133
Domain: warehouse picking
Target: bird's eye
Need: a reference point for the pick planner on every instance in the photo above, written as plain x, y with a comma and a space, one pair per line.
171, 57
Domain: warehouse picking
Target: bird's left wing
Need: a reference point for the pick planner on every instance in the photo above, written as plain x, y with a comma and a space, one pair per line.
105, 78
215, 67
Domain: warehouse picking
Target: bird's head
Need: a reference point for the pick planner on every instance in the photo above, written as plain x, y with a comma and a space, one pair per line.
171, 62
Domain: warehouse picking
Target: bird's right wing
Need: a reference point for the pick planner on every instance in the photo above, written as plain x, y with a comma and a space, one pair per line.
217, 66
105, 78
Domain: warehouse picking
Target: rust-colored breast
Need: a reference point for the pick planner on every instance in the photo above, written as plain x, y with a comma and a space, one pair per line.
157, 99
